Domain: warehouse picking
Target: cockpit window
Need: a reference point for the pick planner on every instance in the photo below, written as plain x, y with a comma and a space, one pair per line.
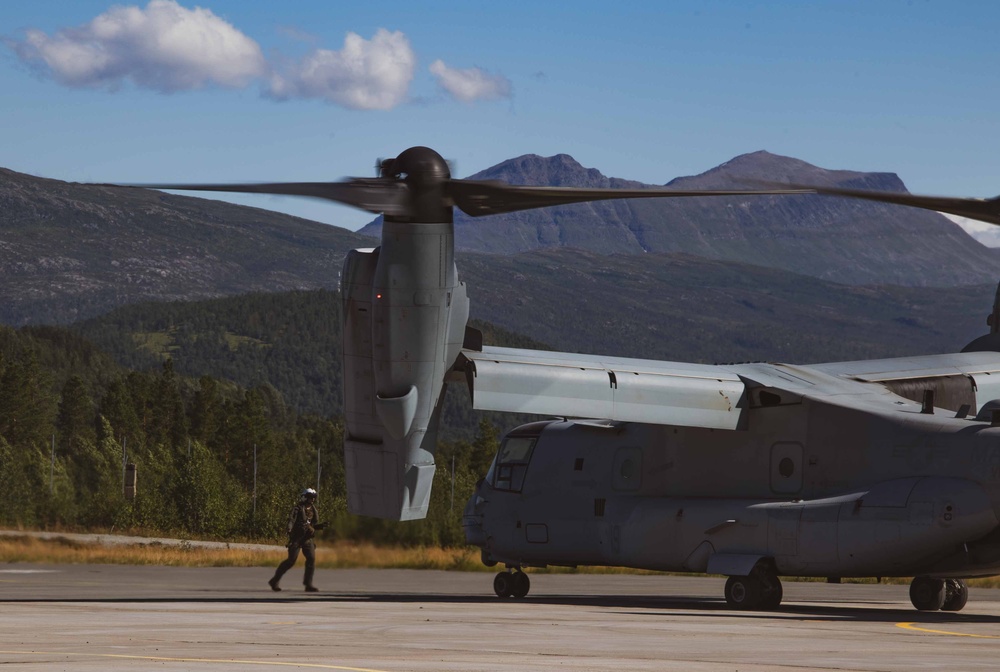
511, 463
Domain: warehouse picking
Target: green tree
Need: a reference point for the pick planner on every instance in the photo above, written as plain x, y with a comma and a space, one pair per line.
210, 501
206, 411
23, 484
168, 418
27, 405
123, 406
75, 421
98, 481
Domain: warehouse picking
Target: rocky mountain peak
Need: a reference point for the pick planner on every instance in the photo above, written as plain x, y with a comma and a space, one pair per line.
561, 170
763, 166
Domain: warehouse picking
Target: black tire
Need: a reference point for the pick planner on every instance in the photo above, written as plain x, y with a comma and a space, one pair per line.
956, 595
772, 594
927, 594
743, 592
522, 584
503, 584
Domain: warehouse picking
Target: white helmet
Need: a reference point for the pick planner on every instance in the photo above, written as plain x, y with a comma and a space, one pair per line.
308, 492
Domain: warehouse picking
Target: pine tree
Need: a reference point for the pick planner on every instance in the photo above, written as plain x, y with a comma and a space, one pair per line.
75, 422
26, 403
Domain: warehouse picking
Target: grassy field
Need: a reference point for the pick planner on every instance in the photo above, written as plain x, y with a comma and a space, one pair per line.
61, 550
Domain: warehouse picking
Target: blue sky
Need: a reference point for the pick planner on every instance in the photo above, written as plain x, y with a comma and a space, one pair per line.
309, 90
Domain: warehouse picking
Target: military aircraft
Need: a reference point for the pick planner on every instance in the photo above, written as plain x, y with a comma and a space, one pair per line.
752, 471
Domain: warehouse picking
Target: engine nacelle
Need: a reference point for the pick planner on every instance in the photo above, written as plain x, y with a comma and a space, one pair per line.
405, 314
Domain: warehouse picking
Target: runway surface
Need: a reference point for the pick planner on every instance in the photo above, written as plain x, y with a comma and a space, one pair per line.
99, 617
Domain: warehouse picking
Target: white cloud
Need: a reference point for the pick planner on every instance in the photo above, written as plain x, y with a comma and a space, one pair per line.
164, 47
470, 84
365, 75
987, 234
168, 48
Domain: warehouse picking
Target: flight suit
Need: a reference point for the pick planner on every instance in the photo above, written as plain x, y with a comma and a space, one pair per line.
302, 524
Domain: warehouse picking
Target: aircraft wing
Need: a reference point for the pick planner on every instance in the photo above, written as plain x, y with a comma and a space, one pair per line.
613, 388
947, 374
698, 395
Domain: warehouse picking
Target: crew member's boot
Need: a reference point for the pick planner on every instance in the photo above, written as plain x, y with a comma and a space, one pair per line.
308, 578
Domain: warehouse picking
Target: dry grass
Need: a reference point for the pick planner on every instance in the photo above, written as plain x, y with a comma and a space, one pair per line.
336, 556
341, 555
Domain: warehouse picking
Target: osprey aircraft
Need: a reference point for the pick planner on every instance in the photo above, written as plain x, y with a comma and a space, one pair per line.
753, 471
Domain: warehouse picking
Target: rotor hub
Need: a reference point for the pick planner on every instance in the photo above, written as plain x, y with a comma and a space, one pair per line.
425, 175
419, 166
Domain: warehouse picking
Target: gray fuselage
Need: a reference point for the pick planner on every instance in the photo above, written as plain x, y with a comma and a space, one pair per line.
857, 483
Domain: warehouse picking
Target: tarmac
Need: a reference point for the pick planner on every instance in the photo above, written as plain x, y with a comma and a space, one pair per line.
86, 618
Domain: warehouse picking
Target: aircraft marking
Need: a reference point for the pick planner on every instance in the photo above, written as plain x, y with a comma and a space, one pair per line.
915, 627
167, 659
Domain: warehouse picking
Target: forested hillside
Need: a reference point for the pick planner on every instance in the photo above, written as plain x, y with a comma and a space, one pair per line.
290, 341
73, 251
70, 417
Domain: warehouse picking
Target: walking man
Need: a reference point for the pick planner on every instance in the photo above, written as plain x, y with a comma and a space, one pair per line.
302, 525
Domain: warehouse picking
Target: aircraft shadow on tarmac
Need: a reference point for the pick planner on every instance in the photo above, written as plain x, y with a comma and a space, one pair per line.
641, 605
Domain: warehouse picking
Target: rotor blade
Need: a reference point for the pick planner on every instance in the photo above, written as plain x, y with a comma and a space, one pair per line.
478, 198
981, 209
376, 195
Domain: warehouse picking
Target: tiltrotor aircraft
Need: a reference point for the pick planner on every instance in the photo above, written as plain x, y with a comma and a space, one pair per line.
853, 469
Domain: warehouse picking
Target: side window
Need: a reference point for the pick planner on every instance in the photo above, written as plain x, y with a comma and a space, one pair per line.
627, 471
512, 463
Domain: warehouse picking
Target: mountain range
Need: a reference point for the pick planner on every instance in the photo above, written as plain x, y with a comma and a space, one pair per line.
843, 240
71, 251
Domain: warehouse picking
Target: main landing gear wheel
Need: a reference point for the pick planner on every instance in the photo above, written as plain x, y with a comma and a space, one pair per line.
956, 594
522, 584
742, 592
756, 591
511, 584
772, 595
928, 594
503, 584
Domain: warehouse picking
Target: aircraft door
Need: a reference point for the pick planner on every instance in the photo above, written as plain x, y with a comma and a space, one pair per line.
786, 468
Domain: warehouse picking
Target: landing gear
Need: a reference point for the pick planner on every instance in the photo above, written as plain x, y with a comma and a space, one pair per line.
503, 584
742, 592
512, 583
522, 584
927, 594
760, 590
772, 596
956, 594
